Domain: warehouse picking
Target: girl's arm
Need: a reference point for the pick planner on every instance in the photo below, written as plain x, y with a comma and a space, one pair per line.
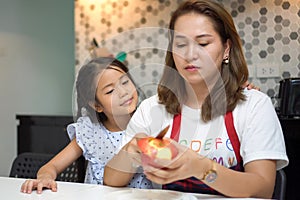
121, 168
47, 174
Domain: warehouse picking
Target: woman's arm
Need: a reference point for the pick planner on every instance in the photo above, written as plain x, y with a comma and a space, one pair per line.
47, 174
257, 181
262, 150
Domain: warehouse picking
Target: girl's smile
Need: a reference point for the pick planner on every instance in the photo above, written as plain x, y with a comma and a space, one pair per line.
127, 102
118, 96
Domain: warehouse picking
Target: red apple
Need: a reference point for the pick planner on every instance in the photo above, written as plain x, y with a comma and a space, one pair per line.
154, 148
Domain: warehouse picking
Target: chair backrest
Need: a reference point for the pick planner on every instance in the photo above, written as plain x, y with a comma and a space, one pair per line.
280, 185
26, 165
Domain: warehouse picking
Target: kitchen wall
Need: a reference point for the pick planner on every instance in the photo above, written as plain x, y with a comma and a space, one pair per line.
36, 65
37, 49
269, 30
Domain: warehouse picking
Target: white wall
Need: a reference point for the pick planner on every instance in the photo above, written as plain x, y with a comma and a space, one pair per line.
36, 65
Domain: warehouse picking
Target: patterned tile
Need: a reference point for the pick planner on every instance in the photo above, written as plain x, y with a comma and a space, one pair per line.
269, 31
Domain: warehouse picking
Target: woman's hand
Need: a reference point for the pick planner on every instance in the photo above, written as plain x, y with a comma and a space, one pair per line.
39, 184
181, 167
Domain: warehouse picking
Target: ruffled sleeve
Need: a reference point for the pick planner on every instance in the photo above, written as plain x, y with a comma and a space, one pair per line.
98, 146
84, 132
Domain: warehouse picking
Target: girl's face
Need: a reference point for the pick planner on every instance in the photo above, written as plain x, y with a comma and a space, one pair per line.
116, 94
198, 50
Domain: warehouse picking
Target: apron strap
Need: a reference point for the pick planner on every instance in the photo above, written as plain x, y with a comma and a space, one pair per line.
233, 137
176, 127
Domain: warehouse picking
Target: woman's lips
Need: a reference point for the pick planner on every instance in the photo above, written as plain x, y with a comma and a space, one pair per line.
191, 68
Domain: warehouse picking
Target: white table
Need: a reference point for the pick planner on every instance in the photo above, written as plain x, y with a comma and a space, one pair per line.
10, 190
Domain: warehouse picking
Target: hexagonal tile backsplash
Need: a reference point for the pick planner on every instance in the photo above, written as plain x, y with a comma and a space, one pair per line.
269, 29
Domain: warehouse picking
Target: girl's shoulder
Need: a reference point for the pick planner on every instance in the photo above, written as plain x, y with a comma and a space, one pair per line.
84, 124
87, 122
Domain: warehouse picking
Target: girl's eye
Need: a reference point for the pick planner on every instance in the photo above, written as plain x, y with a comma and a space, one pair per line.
109, 92
125, 82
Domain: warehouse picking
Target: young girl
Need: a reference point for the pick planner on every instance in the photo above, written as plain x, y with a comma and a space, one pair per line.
229, 139
106, 99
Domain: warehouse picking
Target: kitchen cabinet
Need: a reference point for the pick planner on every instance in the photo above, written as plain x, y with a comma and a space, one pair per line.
291, 131
42, 134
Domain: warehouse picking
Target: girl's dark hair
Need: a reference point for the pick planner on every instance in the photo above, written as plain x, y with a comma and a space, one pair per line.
86, 85
233, 75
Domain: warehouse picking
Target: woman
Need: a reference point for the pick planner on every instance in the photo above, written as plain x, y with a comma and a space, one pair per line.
229, 139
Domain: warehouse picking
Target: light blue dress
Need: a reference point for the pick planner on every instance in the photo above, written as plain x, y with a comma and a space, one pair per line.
99, 145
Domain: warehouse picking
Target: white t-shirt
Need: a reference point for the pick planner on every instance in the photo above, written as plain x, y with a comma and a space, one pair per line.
255, 121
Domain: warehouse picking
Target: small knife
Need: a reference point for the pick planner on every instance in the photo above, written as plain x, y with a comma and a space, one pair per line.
162, 133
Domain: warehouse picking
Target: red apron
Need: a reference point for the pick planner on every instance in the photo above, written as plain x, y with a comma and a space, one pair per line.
192, 184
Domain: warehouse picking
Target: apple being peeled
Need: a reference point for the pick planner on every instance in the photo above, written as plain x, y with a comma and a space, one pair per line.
154, 148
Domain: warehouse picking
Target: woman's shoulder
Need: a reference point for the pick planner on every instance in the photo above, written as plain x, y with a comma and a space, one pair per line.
150, 102
255, 96
150, 108
255, 101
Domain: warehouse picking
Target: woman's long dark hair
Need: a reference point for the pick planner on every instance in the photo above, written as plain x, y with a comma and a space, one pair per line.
233, 75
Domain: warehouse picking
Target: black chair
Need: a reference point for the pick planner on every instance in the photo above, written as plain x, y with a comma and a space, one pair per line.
280, 185
26, 165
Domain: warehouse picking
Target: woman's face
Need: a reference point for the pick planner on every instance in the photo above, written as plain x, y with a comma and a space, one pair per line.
198, 50
116, 94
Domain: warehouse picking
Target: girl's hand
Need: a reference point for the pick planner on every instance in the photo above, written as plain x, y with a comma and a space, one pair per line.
181, 167
38, 184
250, 86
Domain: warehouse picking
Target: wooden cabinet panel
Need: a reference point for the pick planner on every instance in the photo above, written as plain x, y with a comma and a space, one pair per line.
42, 134
291, 131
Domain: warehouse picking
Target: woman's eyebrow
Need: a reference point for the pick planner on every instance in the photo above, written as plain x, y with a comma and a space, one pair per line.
203, 35
197, 37
180, 36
